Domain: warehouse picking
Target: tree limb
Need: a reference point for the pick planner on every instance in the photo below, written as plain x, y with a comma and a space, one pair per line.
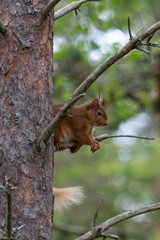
132, 44
70, 7
46, 10
100, 229
49, 130
3, 29
106, 136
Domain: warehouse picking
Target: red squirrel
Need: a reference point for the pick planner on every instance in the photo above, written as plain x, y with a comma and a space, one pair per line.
78, 126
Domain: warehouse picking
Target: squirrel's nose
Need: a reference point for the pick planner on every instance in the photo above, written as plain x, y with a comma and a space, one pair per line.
105, 124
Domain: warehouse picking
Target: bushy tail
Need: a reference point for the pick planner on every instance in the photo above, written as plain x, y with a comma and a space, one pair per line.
66, 197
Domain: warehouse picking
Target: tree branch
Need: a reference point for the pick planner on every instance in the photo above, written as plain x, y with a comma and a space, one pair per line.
101, 229
129, 29
46, 10
106, 136
150, 44
46, 134
70, 7
97, 212
3, 29
8, 188
135, 41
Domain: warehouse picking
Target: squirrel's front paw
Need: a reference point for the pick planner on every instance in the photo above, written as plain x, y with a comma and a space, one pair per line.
60, 146
95, 146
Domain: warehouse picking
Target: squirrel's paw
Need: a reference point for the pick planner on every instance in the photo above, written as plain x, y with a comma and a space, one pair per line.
60, 146
95, 146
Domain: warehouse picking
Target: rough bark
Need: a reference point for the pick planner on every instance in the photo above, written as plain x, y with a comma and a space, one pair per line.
25, 109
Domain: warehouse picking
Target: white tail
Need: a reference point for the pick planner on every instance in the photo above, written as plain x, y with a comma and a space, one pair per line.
66, 197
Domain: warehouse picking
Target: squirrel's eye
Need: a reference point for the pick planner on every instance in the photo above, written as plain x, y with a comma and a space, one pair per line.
99, 113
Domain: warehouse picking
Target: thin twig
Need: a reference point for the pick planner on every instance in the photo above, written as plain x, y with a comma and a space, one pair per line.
8, 189
11, 232
3, 29
49, 130
148, 40
109, 235
139, 47
9, 211
106, 136
96, 213
15, 232
129, 29
99, 230
70, 7
150, 44
46, 10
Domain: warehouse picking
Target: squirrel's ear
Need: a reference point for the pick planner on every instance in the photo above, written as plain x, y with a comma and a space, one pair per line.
95, 102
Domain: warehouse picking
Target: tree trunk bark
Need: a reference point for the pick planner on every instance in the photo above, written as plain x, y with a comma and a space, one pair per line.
25, 109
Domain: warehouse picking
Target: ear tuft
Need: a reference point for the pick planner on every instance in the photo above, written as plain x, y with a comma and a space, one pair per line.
100, 97
95, 102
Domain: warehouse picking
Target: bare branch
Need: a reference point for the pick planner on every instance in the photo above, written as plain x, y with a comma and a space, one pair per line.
99, 230
129, 29
96, 213
8, 188
113, 236
113, 59
150, 44
3, 29
70, 7
142, 49
106, 136
109, 235
46, 134
46, 10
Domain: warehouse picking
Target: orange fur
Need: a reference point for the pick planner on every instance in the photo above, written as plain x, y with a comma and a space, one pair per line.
78, 126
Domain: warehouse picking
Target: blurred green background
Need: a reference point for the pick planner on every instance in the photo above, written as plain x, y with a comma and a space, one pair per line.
124, 172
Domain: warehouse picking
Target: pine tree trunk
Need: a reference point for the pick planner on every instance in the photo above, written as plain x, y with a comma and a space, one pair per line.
25, 109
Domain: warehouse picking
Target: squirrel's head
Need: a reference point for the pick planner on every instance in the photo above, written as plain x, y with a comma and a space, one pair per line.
97, 113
